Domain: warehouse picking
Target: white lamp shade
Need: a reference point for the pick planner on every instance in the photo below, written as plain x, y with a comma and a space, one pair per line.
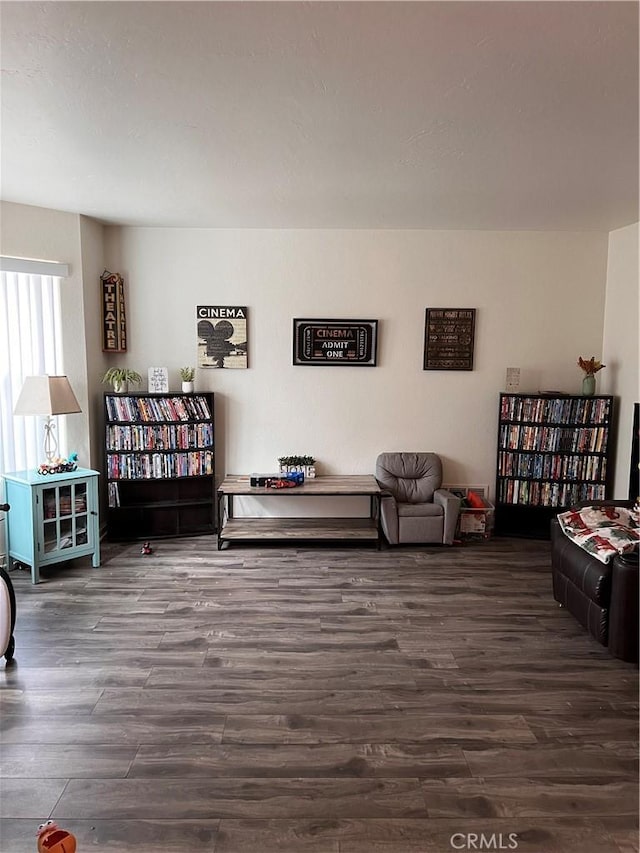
46, 395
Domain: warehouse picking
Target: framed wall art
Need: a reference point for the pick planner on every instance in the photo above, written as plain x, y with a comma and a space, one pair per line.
335, 343
158, 380
222, 336
449, 338
114, 323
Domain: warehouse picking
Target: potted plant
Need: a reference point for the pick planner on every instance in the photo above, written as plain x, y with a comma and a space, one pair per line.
120, 377
187, 374
306, 464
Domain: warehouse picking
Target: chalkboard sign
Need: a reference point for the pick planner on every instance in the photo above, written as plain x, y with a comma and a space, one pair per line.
335, 342
448, 338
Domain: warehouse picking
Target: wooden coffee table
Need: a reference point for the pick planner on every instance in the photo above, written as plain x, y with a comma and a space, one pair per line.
249, 528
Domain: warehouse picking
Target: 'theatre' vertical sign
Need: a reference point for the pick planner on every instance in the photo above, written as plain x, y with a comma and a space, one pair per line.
114, 323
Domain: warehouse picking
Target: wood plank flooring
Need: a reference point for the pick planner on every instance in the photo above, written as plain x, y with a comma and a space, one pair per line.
314, 700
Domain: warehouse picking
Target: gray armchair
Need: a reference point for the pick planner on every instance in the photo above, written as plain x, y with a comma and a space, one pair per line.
414, 508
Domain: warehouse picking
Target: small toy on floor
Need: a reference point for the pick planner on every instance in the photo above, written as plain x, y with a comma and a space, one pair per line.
52, 839
146, 548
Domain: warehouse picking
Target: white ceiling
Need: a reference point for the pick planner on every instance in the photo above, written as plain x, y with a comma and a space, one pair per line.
490, 115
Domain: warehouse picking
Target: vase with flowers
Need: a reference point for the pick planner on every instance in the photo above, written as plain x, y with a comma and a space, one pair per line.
590, 367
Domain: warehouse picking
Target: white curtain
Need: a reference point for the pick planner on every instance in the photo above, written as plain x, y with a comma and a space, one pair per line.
30, 345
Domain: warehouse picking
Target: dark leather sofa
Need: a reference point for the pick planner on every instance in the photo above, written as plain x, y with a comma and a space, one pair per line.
603, 597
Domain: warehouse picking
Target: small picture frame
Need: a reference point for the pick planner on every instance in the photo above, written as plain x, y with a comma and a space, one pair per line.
158, 379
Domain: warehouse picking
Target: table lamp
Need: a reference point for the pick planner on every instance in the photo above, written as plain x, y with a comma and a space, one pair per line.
47, 395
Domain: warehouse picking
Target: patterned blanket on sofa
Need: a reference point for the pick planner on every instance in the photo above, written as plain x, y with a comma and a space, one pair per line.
603, 531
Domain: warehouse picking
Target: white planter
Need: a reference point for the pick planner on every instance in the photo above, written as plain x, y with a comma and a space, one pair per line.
187, 387
121, 387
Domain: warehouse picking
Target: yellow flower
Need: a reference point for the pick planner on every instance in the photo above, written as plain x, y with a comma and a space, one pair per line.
590, 366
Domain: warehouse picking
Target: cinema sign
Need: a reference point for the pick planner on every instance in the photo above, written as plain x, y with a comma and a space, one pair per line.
335, 342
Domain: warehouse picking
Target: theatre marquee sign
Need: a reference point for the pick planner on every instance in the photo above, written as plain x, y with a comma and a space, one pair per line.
114, 323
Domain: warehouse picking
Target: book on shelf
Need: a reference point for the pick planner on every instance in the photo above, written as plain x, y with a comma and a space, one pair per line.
170, 408
560, 410
149, 466
113, 494
576, 439
549, 494
136, 437
546, 466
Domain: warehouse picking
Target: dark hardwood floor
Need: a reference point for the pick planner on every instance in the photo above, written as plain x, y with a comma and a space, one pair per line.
314, 700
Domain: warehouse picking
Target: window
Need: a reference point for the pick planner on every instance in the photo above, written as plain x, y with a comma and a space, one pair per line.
30, 344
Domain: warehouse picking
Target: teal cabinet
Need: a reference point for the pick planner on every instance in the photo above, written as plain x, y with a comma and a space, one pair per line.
53, 517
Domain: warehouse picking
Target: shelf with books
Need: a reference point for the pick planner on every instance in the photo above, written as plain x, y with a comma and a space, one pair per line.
553, 452
159, 465
552, 466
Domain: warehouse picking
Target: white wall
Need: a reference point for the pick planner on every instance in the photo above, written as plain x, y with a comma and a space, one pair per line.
92, 248
620, 346
539, 299
42, 234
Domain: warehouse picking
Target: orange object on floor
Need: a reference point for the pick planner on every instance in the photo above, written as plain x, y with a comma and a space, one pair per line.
52, 839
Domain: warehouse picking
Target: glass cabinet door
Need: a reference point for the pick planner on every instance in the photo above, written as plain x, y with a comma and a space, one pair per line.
80, 520
65, 517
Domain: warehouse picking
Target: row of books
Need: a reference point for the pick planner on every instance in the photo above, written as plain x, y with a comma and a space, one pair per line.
160, 436
151, 466
64, 505
187, 408
578, 440
581, 410
552, 466
533, 493
113, 494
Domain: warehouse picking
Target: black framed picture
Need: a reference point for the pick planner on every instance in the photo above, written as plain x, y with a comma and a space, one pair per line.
335, 343
449, 338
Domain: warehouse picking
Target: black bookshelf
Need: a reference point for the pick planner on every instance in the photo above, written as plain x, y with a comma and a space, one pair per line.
159, 465
553, 452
